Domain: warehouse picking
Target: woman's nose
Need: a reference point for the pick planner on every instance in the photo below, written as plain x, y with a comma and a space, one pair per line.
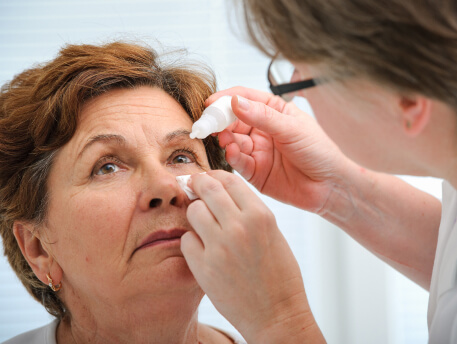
157, 202
160, 189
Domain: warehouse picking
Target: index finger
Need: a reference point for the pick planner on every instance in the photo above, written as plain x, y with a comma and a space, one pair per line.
216, 198
267, 98
238, 190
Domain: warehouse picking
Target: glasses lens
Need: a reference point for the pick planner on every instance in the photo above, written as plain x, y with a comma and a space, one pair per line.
281, 72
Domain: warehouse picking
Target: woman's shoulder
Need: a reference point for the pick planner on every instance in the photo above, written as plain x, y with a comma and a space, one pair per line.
42, 335
47, 335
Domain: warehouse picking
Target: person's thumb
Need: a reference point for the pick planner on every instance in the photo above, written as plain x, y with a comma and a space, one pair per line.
261, 116
192, 249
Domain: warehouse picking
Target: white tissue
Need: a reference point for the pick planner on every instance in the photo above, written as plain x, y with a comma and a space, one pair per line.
182, 181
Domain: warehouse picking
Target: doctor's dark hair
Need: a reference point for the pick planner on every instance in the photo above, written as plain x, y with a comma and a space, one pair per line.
408, 46
39, 112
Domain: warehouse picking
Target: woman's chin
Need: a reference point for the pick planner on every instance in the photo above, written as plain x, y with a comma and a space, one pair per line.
171, 273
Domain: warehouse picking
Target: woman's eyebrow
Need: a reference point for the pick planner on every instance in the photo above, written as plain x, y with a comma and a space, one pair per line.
102, 138
180, 133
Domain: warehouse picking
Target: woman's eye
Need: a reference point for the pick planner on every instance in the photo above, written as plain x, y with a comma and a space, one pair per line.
107, 169
181, 159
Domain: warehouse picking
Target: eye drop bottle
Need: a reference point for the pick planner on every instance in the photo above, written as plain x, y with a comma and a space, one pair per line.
214, 119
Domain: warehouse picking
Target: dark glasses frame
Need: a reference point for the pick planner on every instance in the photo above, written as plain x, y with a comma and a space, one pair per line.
281, 89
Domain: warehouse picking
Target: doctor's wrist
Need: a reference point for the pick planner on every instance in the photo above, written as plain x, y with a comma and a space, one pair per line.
293, 323
300, 329
348, 188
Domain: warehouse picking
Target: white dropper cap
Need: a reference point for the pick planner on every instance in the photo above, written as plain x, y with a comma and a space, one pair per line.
215, 118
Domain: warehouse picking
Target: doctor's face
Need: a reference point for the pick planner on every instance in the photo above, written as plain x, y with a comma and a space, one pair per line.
362, 118
116, 212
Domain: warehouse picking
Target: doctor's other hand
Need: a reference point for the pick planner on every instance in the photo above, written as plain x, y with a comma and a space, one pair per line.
281, 150
243, 263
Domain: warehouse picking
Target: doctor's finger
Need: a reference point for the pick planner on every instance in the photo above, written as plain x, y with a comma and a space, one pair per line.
202, 221
193, 250
267, 98
216, 198
244, 164
262, 117
236, 188
244, 142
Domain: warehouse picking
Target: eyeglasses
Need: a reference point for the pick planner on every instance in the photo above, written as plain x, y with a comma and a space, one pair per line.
280, 74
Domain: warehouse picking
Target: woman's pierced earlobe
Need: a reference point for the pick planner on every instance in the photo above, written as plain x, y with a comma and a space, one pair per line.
52, 286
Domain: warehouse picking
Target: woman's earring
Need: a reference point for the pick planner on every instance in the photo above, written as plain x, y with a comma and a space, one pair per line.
52, 286
408, 124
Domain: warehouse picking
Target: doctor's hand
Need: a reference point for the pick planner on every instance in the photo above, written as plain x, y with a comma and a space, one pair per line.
244, 264
281, 150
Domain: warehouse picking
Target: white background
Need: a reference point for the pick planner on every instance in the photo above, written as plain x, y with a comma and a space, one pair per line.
354, 296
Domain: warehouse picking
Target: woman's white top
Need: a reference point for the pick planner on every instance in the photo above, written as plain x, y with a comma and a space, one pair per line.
42, 335
442, 306
47, 335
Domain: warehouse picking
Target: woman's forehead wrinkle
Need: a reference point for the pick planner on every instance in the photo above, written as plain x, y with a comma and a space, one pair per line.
97, 122
101, 109
150, 133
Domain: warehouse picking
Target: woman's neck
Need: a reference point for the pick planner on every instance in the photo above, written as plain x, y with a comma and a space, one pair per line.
161, 320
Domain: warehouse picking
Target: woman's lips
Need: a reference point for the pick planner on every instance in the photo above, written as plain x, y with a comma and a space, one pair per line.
162, 237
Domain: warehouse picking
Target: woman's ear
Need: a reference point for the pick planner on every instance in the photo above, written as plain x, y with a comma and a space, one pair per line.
36, 254
416, 112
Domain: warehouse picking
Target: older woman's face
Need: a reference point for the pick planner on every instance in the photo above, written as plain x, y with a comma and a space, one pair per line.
116, 212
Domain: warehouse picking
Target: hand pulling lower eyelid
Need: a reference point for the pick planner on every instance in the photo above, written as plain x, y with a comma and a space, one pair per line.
182, 182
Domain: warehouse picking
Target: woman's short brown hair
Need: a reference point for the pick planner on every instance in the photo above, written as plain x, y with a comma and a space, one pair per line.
39, 112
408, 46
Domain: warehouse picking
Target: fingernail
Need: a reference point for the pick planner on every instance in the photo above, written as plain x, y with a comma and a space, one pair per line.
243, 103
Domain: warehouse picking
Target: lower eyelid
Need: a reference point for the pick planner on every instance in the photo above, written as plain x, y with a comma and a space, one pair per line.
193, 161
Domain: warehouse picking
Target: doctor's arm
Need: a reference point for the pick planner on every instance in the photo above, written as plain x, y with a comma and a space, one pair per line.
395, 221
